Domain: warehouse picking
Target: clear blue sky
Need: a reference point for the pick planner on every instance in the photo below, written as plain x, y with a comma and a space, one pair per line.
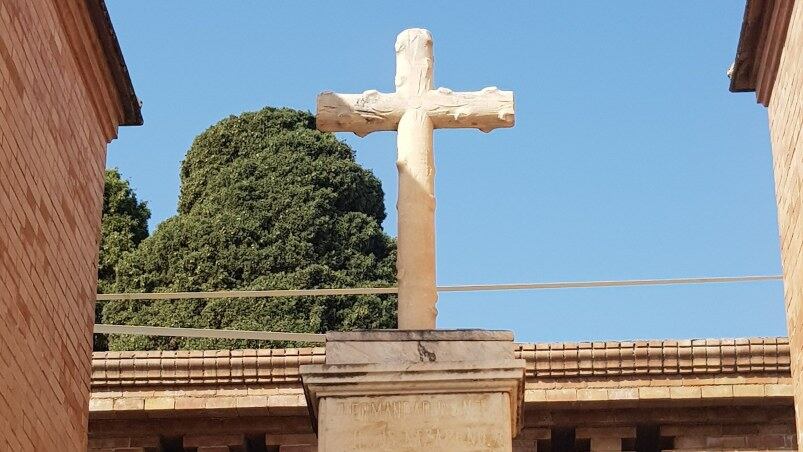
629, 158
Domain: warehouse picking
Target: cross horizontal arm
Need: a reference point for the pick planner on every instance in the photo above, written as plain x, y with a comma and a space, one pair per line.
371, 111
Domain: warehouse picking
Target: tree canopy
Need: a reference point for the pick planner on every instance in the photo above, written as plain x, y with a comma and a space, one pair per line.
124, 226
266, 202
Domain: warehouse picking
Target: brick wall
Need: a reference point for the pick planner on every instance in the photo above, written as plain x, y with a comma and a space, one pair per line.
58, 110
743, 437
641, 395
786, 126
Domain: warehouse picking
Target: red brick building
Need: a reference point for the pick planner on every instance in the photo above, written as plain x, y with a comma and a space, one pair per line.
769, 61
64, 90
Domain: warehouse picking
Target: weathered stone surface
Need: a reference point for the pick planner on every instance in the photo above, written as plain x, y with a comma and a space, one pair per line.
416, 390
417, 346
350, 380
419, 335
440, 422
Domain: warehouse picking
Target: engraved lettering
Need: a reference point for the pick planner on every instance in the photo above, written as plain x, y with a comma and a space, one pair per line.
407, 423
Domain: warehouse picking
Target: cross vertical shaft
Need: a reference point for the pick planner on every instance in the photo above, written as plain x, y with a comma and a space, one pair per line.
415, 264
415, 110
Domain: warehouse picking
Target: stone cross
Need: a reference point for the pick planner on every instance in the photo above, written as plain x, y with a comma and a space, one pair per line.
414, 110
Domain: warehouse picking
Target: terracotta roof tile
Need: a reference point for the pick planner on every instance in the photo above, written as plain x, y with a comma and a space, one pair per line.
560, 360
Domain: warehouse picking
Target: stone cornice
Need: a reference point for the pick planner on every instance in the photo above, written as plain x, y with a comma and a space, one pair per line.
356, 380
761, 42
687, 358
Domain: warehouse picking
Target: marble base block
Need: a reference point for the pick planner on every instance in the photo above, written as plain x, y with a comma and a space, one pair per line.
396, 390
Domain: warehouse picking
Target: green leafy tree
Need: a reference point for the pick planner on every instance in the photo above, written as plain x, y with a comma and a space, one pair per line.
266, 202
124, 226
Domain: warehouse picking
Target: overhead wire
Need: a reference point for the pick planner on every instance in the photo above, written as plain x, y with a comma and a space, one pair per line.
453, 288
318, 338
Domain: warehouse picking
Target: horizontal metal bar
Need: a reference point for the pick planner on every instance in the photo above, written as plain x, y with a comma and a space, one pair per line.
245, 294
624, 283
461, 288
208, 333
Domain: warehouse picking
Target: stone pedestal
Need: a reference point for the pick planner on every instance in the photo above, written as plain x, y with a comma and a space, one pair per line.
431, 390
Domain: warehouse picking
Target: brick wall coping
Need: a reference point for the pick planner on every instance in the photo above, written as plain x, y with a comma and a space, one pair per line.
657, 357
544, 361
99, 14
762, 38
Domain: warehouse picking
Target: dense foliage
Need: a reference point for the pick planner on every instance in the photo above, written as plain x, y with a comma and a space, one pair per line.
124, 226
266, 202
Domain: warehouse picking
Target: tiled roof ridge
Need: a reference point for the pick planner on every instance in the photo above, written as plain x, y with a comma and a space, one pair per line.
656, 357
600, 359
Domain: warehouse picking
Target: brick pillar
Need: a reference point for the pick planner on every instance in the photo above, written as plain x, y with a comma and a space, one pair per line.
216, 443
786, 123
605, 439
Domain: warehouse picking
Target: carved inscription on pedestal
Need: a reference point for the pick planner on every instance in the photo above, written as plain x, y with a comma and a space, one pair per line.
438, 422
